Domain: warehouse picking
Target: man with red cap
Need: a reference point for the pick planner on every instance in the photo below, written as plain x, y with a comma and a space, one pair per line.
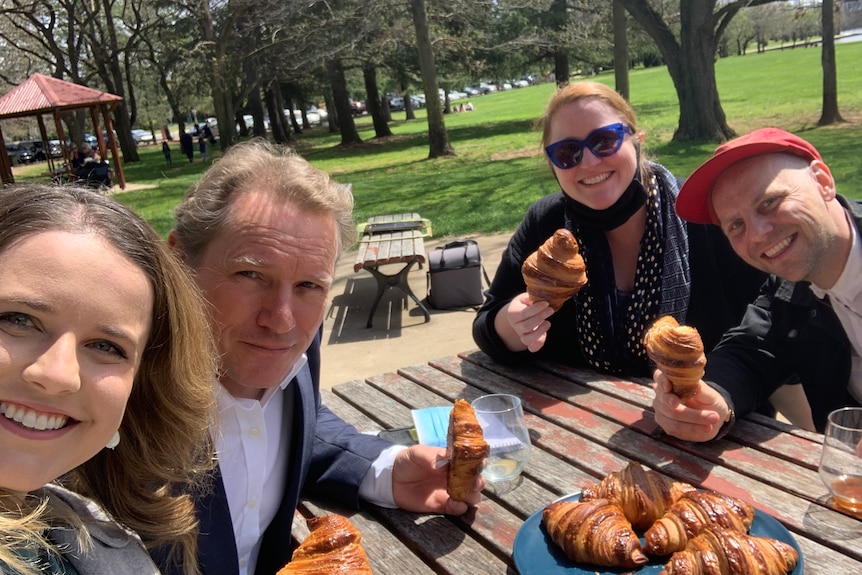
775, 200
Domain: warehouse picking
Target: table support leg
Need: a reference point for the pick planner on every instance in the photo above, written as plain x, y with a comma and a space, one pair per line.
399, 280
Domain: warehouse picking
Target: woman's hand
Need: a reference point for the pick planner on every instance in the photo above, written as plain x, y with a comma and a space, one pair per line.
527, 322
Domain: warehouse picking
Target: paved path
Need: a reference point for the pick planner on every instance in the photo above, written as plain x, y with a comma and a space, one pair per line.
399, 337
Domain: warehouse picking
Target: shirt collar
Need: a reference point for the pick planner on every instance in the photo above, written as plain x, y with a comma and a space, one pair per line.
225, 399
848, 286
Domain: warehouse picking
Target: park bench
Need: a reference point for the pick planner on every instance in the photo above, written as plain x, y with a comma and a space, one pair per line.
392, 239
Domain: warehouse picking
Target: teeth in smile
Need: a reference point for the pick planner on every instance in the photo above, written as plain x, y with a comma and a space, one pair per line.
32, 419
596, 179
778, 247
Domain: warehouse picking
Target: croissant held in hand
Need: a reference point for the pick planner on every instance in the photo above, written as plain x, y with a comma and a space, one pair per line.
334, 545
466, 450
729, 552
556, 271
644, 495
677, 351
691, 514
594, 532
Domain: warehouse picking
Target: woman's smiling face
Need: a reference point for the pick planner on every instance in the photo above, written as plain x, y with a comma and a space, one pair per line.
74, 321
596, 182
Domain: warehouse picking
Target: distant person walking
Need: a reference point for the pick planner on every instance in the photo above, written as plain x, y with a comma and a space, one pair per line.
187, 145
166, 150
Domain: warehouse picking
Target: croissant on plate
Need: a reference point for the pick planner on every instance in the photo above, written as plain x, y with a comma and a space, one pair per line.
556, 271
466, 450
729, 552
334, 545
594, 532
692, 513
677, 351
644, 495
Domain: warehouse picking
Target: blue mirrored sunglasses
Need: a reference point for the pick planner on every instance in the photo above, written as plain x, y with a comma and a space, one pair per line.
603, 142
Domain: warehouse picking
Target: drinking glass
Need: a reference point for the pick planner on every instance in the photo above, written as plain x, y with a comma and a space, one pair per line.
841, 461
502, 419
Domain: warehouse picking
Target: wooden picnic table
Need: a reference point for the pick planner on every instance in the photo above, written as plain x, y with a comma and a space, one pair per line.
392, 239
583, 426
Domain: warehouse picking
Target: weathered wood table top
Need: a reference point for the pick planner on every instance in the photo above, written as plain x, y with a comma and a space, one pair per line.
583, 426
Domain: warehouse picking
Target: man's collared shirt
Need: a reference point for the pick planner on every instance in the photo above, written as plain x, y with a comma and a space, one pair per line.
846, 298
251, 443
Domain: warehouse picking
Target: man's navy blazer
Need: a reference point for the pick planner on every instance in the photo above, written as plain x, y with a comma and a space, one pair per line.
328, 459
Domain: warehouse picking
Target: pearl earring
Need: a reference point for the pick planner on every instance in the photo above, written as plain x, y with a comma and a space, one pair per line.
114, 441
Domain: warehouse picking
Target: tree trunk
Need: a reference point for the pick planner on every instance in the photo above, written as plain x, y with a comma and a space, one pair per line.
621, 50
346, 126
691, 64
275, 114
830, 113
438, 137
372, 101
409, 113
560, 16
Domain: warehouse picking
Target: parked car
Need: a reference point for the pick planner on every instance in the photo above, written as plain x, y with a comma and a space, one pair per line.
396, 103
418, 100
26, 154
12, 150
485, 87
54, 148
142, 137
470, 91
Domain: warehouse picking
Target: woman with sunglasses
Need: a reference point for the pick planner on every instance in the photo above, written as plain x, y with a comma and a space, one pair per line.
106, 388
642, 260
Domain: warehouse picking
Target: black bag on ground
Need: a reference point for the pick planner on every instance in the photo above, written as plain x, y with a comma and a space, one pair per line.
455, 275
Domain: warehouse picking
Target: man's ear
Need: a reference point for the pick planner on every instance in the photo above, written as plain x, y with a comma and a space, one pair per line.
821, 174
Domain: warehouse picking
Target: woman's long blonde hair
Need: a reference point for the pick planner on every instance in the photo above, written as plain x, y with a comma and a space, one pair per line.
570, 93
165, 453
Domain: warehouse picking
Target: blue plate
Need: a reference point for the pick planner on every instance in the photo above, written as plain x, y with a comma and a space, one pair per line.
535, 554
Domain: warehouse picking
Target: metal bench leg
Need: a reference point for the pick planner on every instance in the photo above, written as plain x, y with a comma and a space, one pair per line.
399, 280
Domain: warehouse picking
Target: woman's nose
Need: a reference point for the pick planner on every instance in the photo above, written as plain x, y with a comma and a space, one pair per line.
56, 369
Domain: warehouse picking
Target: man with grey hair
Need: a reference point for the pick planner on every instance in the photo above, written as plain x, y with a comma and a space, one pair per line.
261, 232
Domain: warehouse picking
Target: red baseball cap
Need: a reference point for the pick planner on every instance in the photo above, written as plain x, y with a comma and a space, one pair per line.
694, 201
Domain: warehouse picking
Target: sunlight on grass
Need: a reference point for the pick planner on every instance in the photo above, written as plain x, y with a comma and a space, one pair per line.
499, 170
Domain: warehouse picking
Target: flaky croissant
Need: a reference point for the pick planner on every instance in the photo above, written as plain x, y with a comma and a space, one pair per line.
593, 532
644, 495
677, 351
729, 552
334, 545
556, 271
692, 513
466, 450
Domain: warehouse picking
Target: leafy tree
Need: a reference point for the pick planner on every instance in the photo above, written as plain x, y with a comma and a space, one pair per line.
690, 60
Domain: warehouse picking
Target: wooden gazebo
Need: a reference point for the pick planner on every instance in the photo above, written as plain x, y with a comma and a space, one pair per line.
40, 95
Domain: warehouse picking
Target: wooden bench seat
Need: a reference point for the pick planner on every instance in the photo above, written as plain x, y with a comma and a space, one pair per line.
406, 247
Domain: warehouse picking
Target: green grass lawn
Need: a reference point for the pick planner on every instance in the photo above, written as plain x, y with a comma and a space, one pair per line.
499, 170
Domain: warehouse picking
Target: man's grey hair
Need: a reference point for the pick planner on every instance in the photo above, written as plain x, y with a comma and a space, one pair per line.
257, 165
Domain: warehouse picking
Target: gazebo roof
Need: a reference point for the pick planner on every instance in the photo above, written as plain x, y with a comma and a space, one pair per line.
44, 94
